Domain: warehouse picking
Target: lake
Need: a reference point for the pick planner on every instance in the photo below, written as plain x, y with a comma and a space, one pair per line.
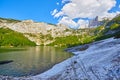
31, 60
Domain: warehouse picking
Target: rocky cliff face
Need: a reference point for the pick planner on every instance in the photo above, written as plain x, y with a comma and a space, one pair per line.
94, 22
29, 26
33, 30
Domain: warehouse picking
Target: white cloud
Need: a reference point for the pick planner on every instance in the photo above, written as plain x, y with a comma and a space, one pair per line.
82, 23
86, 9
57, 3
58, 14
54, 12
69, 22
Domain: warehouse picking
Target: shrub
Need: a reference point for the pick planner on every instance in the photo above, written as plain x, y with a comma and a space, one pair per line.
114, 26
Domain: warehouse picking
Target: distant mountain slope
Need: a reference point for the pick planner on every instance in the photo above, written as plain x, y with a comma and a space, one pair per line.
114, 20
8, 20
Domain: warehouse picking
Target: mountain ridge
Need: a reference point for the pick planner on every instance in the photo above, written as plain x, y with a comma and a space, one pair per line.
61, 35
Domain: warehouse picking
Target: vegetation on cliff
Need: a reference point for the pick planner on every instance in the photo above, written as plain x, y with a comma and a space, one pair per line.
109, 29
11, 38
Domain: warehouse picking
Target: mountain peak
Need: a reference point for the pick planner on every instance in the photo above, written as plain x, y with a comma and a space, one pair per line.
28, 21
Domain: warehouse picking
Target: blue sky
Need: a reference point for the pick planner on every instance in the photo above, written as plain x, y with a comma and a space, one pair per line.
38, 10
41, 10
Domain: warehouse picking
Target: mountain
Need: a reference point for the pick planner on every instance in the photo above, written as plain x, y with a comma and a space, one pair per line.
94, 22
113, 26
38, 32
44, 33
60, 35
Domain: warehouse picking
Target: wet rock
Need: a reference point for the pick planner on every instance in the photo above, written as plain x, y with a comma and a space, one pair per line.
82, 48
5, 62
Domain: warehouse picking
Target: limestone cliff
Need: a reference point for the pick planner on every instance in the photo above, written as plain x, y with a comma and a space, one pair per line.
35, 31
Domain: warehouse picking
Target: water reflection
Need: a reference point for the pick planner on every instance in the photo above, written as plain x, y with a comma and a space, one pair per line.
32, 61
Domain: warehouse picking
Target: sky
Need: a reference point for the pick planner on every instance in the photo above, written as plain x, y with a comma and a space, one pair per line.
73, 13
